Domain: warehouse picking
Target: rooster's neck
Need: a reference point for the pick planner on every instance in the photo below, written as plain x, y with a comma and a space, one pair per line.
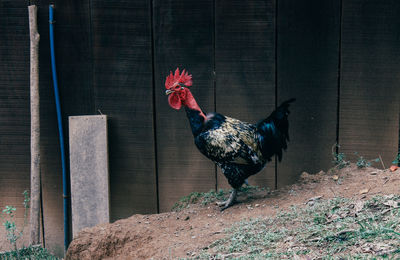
194, 113
191, 104
196, 120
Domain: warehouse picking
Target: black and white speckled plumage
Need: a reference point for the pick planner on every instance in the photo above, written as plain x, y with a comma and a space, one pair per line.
240, 149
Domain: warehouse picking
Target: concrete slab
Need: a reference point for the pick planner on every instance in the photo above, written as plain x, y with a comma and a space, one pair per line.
89, 171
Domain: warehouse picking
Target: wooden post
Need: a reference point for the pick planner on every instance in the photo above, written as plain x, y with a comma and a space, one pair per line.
35, 128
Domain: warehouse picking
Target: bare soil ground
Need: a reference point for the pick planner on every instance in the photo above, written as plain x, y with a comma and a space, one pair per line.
185, 233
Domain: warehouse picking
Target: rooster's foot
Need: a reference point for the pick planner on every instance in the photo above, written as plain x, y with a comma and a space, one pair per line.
226, 204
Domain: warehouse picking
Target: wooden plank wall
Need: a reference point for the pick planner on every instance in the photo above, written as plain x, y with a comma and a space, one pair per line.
340, 59
307, 65
123, 90
369, 89
14, 104
245, 67
183, 37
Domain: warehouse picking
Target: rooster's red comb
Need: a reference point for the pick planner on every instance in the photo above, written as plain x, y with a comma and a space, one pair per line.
174, 79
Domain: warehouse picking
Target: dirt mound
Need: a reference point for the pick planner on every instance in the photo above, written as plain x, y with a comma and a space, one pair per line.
185, 233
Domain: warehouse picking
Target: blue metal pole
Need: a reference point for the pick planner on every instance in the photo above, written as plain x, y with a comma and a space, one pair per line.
60, 131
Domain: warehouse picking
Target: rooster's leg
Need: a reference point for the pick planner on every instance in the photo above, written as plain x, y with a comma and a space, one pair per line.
226, 204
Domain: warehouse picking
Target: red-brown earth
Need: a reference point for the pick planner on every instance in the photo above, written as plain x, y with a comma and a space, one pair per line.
183, 234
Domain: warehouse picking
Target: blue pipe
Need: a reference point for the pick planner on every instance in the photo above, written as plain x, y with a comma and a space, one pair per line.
60, 131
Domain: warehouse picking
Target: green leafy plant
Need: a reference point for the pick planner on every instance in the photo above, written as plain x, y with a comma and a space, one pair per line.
364, 163
7, 216
31, 252
339, 159
185, 201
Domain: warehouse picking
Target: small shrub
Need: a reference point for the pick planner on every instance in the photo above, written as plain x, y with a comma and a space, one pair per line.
8, 218
339, 159
185, 201
364, 163
32, 252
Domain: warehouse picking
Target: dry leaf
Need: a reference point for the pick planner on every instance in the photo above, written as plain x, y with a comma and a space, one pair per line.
312, 200
393, 168
358, 206
391, 203
377, 248
363, 191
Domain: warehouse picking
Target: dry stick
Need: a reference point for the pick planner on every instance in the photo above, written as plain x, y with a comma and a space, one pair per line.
35, 127
380, 158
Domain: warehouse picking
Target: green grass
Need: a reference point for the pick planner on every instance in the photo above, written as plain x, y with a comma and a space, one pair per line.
330, 229
206, 198
32, 253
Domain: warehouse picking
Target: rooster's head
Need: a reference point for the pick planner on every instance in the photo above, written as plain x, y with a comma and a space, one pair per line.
177, 88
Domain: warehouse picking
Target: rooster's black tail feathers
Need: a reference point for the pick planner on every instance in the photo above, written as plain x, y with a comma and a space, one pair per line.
274, 131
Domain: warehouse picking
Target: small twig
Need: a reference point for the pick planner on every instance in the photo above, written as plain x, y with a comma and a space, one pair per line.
333, 191
380, 158
386, 181
232, 254
334, 146
315, 239
388, 210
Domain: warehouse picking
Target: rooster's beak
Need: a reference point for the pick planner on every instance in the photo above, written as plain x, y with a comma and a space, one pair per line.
168, 91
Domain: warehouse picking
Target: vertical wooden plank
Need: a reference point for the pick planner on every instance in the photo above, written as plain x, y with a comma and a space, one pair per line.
245, 67
123, 91
183, 32
72, 50
308, 49
90, 185
14, 110
370, 93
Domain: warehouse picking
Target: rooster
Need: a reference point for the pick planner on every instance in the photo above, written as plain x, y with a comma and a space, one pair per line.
240, 149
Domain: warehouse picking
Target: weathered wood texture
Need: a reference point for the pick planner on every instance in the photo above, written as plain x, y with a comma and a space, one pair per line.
113, 56
14, 108
35, 127
245, 67
307, 66
183, 37
122, 80
90, 186
369, 89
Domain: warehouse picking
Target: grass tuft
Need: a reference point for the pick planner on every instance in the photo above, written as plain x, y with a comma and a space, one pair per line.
32, 253
206, 198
